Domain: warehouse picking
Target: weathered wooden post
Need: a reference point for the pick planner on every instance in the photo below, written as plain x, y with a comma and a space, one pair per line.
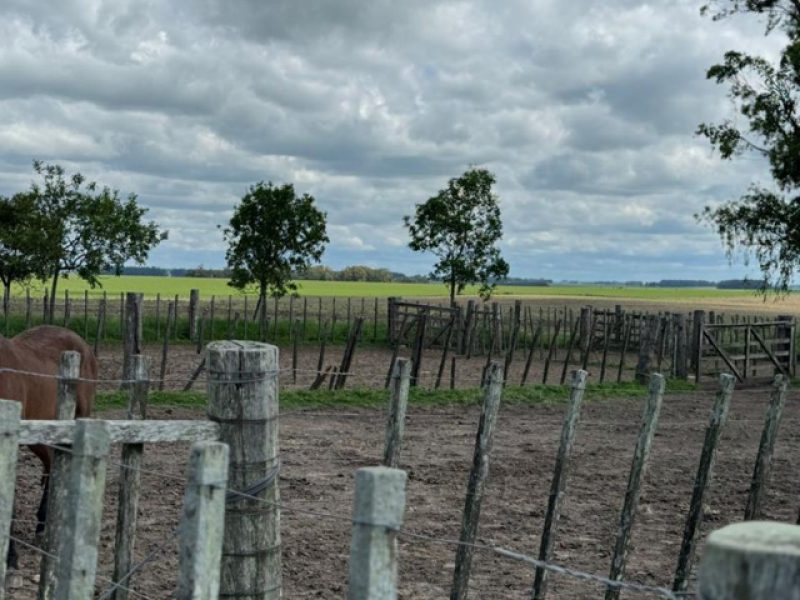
558, 483
377, 516
132, 336
243, 399
691, 530
419, 344
165, 347
10, 413
780, 385
82, 513
785, 332
756, 560
647, 347
477, 481
202, 522
194, 301
68, 371
398, 401
652, 409
466, 334
680, 354
698, 324
129, 481
585, 328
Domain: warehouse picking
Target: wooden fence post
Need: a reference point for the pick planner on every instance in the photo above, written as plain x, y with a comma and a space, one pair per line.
203, 522
419, 344
10, 413
194, 301
132, 336
398, 401
680, 354
691, 531
83, 511
165, 349
377, 516
129, 481
698, 323
751, 561
647, 347
780, 385
577, 388
243, 399
68, 371
652, 409
477, 481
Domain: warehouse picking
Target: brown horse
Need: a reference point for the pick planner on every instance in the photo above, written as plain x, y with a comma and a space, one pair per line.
38, 350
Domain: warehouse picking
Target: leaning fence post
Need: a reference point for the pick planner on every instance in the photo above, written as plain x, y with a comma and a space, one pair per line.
477, 481
10, 413
243, 399
68, 371
86, 482
398, 401
691, 531
377, 516
756, 560
203, 522
129, 481
766, 446
652, 409
577, 388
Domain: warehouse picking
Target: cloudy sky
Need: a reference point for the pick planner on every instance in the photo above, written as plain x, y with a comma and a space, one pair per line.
584, 110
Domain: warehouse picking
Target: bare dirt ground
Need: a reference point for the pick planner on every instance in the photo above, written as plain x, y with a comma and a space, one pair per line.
321, 450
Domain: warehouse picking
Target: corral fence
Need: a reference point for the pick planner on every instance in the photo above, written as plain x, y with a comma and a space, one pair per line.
230, 527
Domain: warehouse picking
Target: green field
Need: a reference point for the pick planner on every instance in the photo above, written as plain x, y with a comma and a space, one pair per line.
170, 286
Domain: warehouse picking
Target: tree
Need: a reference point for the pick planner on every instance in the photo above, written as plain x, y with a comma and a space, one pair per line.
21, 238
461, 225
85, 230
764, 221
272, 234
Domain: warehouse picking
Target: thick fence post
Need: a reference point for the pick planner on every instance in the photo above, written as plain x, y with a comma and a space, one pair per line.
558, 484
86, 482
68, 371
647, 348
132, 336
477, 481
756, 560
691, 531
10, 413
377, 516
398, 401
129, 481
203, 522
679, 354
698, 324
765, 448
243, 399
194, 302
652, 409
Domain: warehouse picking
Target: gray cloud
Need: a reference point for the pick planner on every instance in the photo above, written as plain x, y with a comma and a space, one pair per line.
585, 111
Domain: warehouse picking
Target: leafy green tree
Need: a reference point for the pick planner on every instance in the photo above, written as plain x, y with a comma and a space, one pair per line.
272, 234
461, 226
21, 237
765, 221
86, 230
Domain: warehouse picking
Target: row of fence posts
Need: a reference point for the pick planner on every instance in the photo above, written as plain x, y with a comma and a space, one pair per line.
243, 402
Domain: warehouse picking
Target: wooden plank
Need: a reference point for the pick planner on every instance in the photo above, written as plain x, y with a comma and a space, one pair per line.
243, 399
723, 354
477, 481
130, 481
398, 402
694, 518
203, 522
10, 412
770, 354
378, 509
122, 431
558, 483
83, 511
766, 447
641, 453
570, 348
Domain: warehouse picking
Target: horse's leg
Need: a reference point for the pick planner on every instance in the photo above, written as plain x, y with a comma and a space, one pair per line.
44, 454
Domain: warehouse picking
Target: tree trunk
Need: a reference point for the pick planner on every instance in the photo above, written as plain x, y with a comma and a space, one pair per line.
452, 290
53, 288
